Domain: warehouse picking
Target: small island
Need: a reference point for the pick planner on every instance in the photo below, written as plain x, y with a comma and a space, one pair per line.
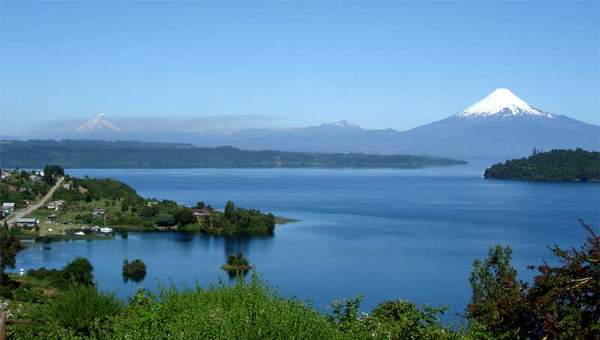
134, 270
555, 165
236, 264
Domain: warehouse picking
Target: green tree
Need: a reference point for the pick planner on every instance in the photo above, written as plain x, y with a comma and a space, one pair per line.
184, 216
125, 204
498, 300
52, 172
229, 210
79, 271
165, 219
9, 247
565, 299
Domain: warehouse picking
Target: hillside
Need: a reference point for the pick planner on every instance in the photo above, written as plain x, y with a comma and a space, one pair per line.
555, 165
102, 154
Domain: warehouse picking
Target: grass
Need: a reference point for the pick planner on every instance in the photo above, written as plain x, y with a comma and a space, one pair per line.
248, 309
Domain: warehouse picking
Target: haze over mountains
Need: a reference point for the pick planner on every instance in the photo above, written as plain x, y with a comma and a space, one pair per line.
501, 125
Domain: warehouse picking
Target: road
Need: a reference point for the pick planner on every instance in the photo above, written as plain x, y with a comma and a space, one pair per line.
35, 206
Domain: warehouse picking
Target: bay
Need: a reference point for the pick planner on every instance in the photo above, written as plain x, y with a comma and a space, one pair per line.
381, 233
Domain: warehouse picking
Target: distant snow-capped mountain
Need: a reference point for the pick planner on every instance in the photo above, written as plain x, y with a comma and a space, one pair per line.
499, 126
97, 123
501, 103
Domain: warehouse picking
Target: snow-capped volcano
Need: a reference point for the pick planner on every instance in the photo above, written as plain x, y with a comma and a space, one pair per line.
97, 123
501, 103
342, 124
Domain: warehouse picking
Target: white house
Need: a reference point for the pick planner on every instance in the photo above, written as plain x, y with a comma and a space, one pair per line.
8, 207
27, 222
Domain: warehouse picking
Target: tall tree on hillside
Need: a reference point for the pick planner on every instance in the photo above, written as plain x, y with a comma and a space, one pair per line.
9, 247
52, 172
498, 300
229, 208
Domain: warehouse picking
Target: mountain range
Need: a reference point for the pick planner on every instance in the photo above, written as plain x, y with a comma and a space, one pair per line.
501, 125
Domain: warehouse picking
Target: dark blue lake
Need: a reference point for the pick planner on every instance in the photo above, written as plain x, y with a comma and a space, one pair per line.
386, 234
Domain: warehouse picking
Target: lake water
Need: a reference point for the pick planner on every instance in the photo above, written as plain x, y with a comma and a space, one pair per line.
386, 234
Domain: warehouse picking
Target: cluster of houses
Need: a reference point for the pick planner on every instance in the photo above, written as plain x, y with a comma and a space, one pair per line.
96, 229
55, 205
9, 207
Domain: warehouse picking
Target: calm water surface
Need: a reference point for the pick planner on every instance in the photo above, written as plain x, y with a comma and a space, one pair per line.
386, 234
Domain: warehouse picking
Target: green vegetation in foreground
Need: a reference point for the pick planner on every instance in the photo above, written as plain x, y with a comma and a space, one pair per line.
561, 303
103, 154
555, 165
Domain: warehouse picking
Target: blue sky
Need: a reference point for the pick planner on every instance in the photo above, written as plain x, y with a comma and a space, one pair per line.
389, 64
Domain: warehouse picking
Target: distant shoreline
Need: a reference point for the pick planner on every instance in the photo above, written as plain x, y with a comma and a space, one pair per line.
80, 154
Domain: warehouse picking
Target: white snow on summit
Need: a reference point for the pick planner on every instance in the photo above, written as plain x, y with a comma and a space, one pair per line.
501, 102
342, 124
97, 123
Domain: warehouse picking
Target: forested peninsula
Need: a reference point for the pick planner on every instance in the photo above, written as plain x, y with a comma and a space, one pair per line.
34, 154
555, 165
79, 206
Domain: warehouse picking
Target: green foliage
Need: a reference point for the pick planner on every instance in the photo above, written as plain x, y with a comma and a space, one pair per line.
245, 310
556, 165
52, 172
404, 320
562, 303
236, 221
498, 299
19, 187
237, 259
134, 270
121, 154
80, 310
242, 311
79, 271
565, 299
229, 210
42, 273
9, 247
165, 219
345, 314
184, 216
26, 292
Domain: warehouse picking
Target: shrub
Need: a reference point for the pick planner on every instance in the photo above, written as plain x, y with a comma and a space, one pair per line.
28, 293
562, 303
79, 309
79, 271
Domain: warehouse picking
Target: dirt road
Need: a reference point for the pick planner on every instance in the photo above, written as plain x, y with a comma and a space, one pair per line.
12, 218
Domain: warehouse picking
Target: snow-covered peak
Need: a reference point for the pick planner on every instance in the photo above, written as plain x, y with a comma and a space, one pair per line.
342, 124
502, 102
98, 122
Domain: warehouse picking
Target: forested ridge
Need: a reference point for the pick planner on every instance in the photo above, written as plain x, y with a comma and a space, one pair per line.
122, 154
555, 165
